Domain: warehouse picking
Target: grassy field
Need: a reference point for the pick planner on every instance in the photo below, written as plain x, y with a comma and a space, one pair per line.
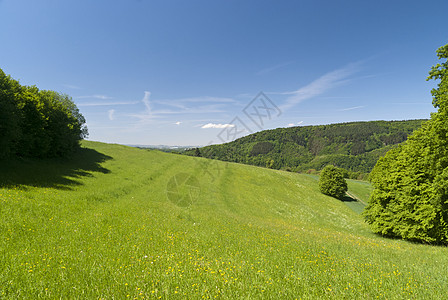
117, 222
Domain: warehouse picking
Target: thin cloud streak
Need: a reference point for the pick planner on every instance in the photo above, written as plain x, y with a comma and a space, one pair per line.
102, 97
295, 124
110, 114
151, 113
220, 126
207, 99
145, 101
198, 110
320, 85
106, 103
273, 68
411, 103
182, 102
158, 113
147, 114
71, 86
352, 108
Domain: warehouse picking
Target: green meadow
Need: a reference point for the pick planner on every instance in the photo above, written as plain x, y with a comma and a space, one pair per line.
116, 222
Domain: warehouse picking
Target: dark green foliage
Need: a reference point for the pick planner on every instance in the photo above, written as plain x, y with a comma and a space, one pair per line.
261, 148
9, 115
332, 182
355, 147
36, 123
410, 199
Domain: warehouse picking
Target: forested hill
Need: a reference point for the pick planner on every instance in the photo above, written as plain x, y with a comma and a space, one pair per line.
353, 146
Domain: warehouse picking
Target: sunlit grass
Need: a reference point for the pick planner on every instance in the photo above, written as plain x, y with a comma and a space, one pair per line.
108, 230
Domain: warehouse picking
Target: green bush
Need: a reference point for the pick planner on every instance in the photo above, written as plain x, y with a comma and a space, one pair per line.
332, 182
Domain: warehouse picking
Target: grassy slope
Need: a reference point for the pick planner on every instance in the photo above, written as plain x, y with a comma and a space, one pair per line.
101, 226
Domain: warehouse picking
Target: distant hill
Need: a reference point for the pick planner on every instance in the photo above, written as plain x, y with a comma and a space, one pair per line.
354, 146
163, 148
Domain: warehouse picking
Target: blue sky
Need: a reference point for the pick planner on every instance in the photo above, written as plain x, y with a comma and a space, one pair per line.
189, 72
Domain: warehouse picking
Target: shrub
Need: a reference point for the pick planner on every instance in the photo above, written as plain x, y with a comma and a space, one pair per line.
332, 182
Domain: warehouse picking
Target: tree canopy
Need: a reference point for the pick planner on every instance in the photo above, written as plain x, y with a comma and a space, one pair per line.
37, 123
410, 197
332, 182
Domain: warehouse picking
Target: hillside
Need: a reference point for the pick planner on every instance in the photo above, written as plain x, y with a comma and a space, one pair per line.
353, 146
119, 222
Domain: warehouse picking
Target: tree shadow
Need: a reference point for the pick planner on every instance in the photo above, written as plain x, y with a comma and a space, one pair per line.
412, 241
348, 198
52, 173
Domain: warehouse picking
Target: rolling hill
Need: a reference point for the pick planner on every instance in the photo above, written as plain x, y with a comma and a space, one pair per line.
354, 146
119, 222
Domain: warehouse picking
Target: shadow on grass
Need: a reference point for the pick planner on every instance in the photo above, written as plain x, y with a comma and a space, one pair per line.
52, 173
348, 198
353, 203
442, 245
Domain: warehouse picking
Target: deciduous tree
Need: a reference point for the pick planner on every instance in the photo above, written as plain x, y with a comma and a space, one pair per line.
410, 199
36, 123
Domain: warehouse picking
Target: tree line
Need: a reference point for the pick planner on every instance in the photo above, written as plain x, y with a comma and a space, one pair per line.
355, 146
37, 123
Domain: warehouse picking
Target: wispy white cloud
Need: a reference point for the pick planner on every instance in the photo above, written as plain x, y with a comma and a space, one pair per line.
147, 114
208, 99
273, 68
106, 103
145, 101
322, 84
212, 125
179, 106
351, 108
102, 97
294, 124
411, 103
246, 95
111, 113
183, 103
71, 86
206, 109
